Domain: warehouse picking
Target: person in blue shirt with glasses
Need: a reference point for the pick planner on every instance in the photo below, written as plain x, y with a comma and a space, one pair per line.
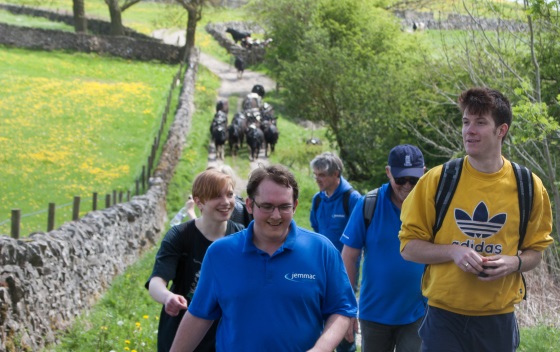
274, 286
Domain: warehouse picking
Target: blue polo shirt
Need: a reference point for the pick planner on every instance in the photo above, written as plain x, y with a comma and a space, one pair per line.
390, 292
272, 303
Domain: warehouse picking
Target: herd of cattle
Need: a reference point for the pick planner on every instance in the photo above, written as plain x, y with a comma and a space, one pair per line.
255, 124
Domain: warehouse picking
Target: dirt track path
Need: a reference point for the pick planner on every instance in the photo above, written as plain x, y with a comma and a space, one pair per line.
231, 85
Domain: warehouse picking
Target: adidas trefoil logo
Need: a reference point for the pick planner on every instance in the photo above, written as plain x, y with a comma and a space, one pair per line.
479, 226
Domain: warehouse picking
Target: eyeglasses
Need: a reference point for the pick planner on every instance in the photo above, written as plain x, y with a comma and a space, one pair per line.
402, 180
269, 208
320, 175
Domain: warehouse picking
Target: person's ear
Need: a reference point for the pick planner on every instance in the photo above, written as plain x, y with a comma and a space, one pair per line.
503, 130
249, 205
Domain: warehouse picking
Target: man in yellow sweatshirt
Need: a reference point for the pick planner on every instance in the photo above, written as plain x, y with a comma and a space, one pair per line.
474, 261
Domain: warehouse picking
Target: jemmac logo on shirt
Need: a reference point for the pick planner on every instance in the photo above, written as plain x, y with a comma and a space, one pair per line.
298, 277
480, 226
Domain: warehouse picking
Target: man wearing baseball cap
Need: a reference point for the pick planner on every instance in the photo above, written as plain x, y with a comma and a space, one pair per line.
391, 304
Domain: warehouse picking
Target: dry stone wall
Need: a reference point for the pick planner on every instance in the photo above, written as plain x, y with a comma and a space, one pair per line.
132, 46
250, 56
48, 279
94, 25
124, 47
427, 20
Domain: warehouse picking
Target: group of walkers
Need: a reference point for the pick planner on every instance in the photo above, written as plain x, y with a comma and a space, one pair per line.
441, 253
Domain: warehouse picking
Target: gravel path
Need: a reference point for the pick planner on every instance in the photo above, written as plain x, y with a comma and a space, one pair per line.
231, 85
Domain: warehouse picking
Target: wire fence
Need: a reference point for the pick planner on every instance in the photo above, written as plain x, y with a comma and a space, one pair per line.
115, 196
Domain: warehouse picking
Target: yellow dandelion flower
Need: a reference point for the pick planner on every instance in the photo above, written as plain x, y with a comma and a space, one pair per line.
137, 324
127, 342
146, 316
127, 349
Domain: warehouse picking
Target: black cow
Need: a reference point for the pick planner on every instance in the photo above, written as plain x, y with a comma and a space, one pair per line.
271, 135
240, 120
237, 35
255, 138
234, 137
220, 119
222, 105
219, 135
239, 66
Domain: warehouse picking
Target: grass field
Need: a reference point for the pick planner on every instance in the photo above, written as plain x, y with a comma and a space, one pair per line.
73, 124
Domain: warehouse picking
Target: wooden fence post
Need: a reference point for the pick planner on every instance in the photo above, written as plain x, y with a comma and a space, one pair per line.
76, 208
128, 195
50, 217
94, 202
149, 168
143, 177
114, 197
137, 187
16, 218
107, 201
120, 196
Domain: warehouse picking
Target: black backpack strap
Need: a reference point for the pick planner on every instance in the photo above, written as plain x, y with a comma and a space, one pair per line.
316, 202
448, 181
346, 201
524, 179
525, 193
370, 202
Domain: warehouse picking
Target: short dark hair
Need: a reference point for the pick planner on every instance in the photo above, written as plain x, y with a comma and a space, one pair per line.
278, 174
327, 162
482, 100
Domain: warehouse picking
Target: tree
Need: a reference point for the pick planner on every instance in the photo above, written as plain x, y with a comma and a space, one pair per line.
194, 14
80, 19
348, 64
115, 12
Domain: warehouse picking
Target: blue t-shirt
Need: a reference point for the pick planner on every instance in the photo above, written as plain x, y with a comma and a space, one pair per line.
330, 219
272, 303
390, 292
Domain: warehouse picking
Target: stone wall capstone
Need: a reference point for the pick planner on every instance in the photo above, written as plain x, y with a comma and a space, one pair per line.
48, 279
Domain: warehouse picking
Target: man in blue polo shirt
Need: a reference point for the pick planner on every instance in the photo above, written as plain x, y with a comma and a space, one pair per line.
391, 302
275, 286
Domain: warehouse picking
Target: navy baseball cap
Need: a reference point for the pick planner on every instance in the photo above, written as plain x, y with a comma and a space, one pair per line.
406, 160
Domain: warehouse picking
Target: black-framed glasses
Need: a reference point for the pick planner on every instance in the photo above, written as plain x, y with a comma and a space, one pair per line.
268, 208
402, 180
